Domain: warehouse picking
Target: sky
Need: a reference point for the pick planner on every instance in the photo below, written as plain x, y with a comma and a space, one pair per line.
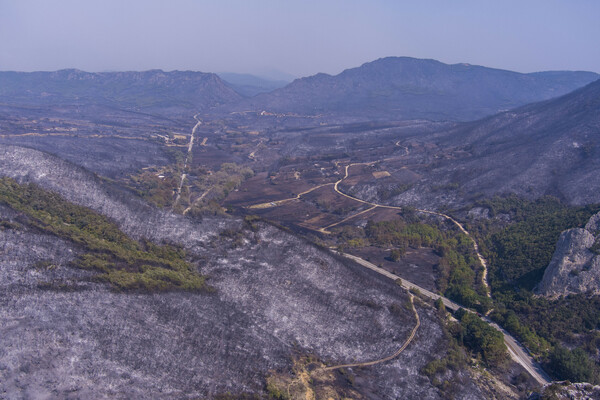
279, 38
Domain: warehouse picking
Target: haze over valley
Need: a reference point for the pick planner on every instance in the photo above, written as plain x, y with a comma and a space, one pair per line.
394, 228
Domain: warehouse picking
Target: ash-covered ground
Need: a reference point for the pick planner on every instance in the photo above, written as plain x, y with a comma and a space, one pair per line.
64, 336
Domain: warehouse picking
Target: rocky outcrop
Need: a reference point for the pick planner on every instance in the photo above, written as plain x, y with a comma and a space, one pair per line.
571, 391
575, 267
593, 224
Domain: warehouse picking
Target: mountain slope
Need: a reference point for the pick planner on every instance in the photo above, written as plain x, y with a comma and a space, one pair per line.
274, 294
249, 85
137, 90
547, 148
409, 88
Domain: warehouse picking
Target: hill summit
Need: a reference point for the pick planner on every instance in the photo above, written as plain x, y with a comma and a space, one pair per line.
410, 88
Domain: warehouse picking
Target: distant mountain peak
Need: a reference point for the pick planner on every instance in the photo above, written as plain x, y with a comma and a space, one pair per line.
396, 88
151, 89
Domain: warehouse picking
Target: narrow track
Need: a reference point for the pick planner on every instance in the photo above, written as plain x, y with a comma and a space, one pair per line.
458, 224
324, 230
390, 357
516, 351
187, 157
280, 202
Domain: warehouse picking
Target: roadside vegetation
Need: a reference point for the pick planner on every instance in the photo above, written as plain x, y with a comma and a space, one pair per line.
156, 188
202, 193
119, 260
563, 333
466, 338
458, 272
519, 252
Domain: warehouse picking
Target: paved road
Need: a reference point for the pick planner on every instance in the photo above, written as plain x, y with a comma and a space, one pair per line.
515, 350
458, 224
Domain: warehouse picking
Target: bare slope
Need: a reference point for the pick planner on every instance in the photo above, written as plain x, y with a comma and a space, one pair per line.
408, 88
547, 148
274, 292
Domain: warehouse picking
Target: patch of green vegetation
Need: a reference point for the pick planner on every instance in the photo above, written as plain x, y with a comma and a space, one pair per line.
446, 187
213, 187
4, 224
348, 232
436, 370
203, 190
518, 253
397, 254
481, 338
573, 365
251, 222
458, 267
543, 325
121, 261
176, 154
455, 359
158, 191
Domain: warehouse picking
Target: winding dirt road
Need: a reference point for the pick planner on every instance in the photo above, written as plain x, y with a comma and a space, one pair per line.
280, 202
516, 351
458, 224
388, 358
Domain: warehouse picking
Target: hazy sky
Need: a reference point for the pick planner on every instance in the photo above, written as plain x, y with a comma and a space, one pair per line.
300, 37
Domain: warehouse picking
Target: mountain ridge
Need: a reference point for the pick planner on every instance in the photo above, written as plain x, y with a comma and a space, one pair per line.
410, 88
249, 85
129, 89
547, 148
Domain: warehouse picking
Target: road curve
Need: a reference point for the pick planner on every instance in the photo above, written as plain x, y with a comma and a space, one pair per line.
515, 350
390, 357
458, 224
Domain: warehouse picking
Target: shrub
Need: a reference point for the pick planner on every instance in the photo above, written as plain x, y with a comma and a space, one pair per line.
120, 260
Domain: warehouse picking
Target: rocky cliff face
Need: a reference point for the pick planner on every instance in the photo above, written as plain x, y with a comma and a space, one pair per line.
566, 390
575, 266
